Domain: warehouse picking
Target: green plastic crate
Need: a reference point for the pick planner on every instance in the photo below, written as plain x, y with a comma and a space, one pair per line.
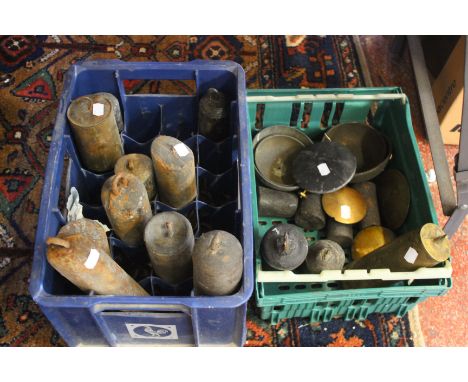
388, 110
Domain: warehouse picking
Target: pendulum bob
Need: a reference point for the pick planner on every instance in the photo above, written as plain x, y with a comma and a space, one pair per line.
346, 205
310, 215
393, 194
284, 247
371, 148
370, 239
76, 258
325, 255
142, 167
125, 200
90, 229
279, 204
95, 122
169, 240
174, 167
212, 116
423, 247
217, 264
369, 193
274, 149
340, 233
324, 167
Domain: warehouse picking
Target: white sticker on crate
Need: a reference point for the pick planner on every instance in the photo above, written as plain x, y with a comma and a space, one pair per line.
92, 259
152, 331
98, 109
323, 169
345, 211
411, 255
181, 149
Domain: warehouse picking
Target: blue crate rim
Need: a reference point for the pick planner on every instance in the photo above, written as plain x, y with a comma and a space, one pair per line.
57, 144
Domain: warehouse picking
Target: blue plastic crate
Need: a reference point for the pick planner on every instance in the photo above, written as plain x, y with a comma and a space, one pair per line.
222, 168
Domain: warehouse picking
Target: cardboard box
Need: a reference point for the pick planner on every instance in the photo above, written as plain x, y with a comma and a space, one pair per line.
447, 89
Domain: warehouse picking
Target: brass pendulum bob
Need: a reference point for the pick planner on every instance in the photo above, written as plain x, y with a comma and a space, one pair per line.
346, 205
370, 239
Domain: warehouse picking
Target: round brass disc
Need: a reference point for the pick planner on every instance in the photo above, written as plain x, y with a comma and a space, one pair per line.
346, 206
370, 239
393, 194
435, 242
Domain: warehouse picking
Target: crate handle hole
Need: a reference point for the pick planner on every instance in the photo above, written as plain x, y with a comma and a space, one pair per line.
260, 111
306, 115
339, 107
295, 108
283, 287
327, 108
316, 286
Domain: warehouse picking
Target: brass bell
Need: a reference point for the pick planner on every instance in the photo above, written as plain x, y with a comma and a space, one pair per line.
345, 205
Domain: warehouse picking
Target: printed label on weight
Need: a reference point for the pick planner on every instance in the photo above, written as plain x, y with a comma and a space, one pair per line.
345, 211
323, 169
92, 259
98, 109
411, 255
181, 149
152, 331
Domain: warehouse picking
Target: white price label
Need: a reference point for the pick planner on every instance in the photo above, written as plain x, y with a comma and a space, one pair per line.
323, 169
345, 211
411, 255
98, 109
181, 149
92, 259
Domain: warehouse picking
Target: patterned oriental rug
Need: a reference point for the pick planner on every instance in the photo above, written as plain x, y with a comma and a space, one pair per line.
31, 79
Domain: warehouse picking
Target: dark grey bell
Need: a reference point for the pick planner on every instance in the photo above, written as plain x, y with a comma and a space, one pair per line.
284, 247
325, 255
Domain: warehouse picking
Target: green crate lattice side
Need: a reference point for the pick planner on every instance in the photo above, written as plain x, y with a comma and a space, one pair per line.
322, 301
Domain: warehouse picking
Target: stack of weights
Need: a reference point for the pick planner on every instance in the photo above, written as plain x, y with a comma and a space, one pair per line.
339, 191
80, 252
